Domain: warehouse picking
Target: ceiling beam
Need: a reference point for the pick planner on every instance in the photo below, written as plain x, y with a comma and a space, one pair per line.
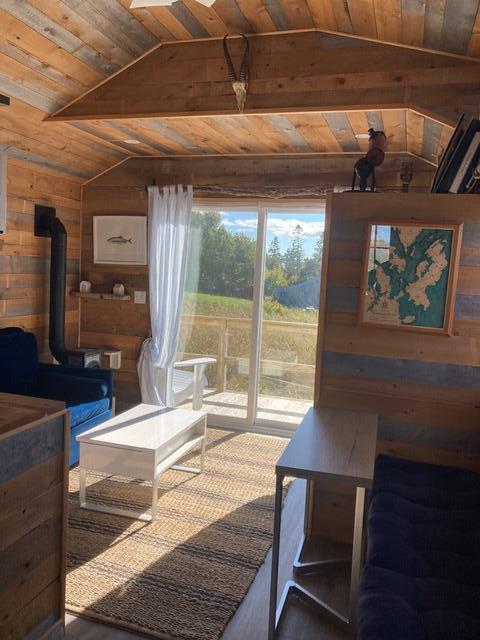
289, 72
256, 173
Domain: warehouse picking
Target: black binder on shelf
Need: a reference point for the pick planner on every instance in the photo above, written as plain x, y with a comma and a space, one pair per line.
454, 164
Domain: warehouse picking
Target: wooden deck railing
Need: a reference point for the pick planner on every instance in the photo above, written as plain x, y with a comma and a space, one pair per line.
224, 324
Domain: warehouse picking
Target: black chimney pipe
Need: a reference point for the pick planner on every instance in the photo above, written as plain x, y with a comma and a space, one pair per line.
58, 280
47, 224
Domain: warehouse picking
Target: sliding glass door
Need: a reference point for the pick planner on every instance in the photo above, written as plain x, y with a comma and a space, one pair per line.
289, 317
251, 303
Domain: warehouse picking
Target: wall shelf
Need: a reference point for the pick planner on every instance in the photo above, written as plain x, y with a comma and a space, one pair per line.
99, 296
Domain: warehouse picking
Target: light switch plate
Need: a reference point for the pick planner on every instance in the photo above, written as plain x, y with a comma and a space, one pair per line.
140, 297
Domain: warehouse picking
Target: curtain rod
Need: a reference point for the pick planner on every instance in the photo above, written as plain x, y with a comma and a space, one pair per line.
272, 191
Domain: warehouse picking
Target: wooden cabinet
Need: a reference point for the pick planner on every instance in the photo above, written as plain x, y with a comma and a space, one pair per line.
33, 517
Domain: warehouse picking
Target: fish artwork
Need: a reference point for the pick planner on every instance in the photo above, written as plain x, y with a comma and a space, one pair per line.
119, 240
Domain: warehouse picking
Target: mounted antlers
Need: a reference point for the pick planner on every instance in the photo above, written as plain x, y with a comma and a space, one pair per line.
240, 81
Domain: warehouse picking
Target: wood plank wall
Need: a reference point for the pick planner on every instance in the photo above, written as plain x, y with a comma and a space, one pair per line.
33, 516
121, 191
25, 259
426, 388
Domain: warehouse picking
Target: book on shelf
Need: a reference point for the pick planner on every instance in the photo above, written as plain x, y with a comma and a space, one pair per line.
469, 163
459, 159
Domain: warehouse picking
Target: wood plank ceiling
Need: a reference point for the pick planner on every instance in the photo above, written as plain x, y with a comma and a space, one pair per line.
52, 51
408, 131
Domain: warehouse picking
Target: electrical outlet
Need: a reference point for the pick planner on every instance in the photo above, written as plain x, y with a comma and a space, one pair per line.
140, 297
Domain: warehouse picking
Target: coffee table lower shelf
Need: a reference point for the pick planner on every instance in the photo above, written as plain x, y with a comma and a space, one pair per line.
149, 470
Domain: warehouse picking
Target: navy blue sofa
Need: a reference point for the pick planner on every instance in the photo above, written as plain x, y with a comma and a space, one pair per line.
87, 393
422, 575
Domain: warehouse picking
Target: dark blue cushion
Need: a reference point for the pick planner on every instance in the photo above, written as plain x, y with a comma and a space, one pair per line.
462, 518
59, 386
81, 428
424, 550
427, 484
422, 576
82, 411
18, 361
397, 607
9, 330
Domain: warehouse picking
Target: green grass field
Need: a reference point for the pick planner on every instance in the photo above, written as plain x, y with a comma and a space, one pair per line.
204, 304
279, 345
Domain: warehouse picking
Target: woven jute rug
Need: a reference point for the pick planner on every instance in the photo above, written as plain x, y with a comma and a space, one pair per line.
183, 576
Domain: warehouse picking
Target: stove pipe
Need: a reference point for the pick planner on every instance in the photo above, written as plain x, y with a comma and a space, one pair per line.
47, 224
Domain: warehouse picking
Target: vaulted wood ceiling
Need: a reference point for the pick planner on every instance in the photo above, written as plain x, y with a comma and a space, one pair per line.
408, 131
52, 51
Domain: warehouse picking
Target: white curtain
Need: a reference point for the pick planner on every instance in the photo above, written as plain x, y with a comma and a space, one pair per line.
169, 217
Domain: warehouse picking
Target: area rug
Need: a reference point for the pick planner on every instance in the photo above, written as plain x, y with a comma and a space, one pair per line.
183, 576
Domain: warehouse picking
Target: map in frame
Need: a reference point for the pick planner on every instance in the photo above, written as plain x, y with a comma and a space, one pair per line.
409, 275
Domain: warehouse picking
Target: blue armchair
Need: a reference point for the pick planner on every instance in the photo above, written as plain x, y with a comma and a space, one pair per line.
87, 393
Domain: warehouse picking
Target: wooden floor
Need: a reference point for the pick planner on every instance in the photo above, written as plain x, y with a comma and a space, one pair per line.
231, 404
250, 620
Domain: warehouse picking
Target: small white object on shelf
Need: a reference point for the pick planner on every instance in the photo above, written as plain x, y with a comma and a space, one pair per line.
85, 286
118, 290
114, 359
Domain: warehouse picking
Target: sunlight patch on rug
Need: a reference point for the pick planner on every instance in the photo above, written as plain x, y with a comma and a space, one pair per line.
183, 576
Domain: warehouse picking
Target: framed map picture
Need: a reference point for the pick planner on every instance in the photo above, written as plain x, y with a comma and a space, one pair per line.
409, 275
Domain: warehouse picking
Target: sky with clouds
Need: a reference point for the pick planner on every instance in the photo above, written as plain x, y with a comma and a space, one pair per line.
280, 224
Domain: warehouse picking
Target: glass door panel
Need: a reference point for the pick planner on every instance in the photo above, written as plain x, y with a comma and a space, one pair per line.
218, 309
291, 289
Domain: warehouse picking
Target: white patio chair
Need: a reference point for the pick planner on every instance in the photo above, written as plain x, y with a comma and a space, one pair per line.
182, 385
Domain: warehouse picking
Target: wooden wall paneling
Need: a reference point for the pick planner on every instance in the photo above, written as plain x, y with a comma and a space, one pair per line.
425, 390
81, 26
394, 121
316, 131
362, 14
345, 74
22, 127
359, 125
33, 521
343, 18
171, 23
342, 130
413, 21
473, 48
149, 21
434, 17
186, 18
297, 14
430, 141
210, 20
323, 14
457, 26
257, 15
388, 18
60, 36
24, 259
123, 325
33, 42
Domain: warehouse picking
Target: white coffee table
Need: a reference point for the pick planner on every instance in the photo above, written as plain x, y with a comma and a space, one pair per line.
141, 443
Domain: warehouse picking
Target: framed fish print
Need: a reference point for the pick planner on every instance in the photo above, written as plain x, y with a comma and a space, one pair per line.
120, 240
409, 275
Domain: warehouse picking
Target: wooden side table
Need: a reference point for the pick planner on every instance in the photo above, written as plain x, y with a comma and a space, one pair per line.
329, 444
